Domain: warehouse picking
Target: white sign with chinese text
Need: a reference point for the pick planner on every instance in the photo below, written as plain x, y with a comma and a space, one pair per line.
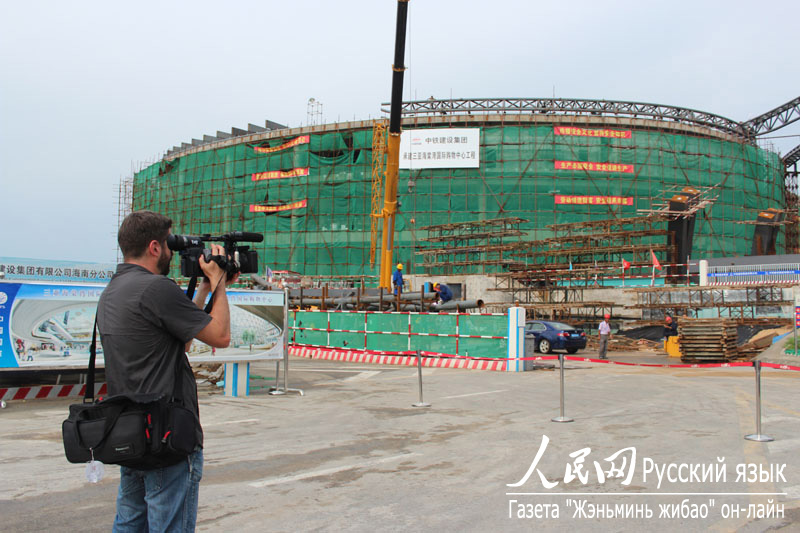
440, 148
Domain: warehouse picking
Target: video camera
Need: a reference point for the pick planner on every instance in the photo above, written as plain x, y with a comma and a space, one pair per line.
237, 259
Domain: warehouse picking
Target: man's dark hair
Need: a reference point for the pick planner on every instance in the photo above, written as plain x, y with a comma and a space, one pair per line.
139, 229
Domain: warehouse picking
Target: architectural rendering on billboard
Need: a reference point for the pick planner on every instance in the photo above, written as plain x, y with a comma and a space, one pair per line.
49, 325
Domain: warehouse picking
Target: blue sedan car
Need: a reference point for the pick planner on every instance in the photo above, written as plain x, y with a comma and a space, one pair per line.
549, 336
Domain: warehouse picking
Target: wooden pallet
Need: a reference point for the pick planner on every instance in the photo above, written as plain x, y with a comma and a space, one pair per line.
708, 340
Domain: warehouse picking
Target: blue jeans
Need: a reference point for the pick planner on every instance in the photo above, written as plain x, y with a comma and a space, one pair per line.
164, 499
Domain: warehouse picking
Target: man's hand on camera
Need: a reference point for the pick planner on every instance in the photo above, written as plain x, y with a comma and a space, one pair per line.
213, 272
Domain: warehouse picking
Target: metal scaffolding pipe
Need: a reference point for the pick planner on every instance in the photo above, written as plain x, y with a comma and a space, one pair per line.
458, 305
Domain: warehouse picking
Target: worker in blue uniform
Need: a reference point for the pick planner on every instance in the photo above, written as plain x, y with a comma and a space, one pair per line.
397, 280
444, 292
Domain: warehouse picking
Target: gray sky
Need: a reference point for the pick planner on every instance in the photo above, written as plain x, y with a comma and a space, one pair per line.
90, 89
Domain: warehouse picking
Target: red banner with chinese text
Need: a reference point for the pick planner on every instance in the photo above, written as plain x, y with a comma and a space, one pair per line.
595, 167
277, 208
593, 200
303, 139
583, 132
278, 174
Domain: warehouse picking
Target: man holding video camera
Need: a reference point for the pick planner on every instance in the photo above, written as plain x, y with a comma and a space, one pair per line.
146, 323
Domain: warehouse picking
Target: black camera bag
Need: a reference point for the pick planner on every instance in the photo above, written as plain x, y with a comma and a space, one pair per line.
142, 431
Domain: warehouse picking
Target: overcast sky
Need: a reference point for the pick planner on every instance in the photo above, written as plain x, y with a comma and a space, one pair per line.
91, 90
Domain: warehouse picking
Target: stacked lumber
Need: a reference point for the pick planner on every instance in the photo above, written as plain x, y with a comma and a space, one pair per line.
620, 343
707, 340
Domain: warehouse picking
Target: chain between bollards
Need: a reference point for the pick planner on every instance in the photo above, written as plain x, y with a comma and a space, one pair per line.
561, 418
420, 403
758, 436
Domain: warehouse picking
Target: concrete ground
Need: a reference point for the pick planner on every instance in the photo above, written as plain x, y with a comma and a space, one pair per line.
353, 454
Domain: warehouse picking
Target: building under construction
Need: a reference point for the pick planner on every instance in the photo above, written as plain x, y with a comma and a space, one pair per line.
539, 163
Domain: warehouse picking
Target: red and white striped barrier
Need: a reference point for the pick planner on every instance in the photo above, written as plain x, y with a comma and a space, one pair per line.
438, 360
441, 360
48, 391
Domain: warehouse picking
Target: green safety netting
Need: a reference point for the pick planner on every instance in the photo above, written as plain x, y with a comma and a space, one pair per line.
211, 191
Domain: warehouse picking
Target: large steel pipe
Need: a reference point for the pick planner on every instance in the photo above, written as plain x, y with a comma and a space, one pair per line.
455, 305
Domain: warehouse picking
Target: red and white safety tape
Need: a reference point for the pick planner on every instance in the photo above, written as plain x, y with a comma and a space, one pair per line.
48, 391
397, 358
411, 333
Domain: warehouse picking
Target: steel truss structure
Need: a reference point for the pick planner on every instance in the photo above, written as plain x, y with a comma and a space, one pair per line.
792, 157
768, 122
775, 119
572, 106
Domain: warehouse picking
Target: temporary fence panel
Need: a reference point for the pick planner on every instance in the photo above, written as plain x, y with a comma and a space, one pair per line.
388, 331
432, 326
452, 334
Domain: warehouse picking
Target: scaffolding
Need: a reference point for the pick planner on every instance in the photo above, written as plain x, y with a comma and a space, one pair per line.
745, 304
477, 244
309, 190
124, 203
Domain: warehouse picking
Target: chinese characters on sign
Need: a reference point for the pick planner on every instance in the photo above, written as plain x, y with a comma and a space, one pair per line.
440, 148
593, 200
303, 139
583, 132
14, 268
278, 174
576, 469
277, 208
596, 167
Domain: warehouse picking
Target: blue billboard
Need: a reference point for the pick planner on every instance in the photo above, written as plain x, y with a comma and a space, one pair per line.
50, 325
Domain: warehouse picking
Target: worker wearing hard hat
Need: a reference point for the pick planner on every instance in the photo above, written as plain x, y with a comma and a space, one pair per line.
443, 292
397, 280
604, 333
670, 327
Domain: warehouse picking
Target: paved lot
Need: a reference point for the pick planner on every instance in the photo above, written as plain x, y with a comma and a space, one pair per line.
353, 454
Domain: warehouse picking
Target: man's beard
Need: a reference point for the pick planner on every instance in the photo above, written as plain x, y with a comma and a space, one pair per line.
163, 261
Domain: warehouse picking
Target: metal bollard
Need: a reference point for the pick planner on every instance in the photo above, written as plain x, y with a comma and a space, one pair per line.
758, 436
420, 403
562, 418
276, 390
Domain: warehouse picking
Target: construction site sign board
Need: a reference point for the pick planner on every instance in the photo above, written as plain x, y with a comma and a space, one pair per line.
585, 132
256, 208
21, 269
49, 325
593, 200
593, 167
303, 139
440, 148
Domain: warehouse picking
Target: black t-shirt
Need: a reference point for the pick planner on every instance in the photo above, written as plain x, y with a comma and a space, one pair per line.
145, 321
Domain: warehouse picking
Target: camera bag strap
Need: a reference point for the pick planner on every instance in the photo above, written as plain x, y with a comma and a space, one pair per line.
88, 395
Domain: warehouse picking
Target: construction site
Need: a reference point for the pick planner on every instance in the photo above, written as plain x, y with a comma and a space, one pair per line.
441, 255
568, 208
